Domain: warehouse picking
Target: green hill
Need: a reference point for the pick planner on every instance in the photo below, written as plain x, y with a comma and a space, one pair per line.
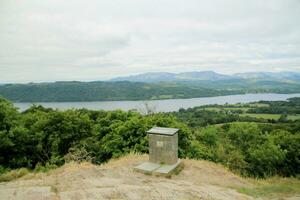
125, 90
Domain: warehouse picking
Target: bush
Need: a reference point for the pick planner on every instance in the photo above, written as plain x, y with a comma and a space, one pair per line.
265, 159
78, 155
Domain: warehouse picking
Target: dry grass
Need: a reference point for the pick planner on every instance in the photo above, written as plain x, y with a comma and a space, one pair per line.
203, 172
13, 174
116, 179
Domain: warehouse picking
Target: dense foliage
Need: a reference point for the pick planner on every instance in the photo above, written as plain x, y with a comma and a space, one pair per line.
279, 107
42, 136
252, 146
249, 146
124, 90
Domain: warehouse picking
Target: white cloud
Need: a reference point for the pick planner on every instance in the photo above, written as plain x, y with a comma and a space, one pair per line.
92, 40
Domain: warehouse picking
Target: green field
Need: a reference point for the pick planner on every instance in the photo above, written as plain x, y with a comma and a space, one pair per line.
262, 116
293, 117
217, 109
269, 116
246, 107
258, 105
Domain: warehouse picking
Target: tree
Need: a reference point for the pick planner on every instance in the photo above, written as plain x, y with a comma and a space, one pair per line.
290, 144
9, 115
9, 119
245, 135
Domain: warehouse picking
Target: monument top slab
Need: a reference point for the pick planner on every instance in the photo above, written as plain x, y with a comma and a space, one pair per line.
163, 131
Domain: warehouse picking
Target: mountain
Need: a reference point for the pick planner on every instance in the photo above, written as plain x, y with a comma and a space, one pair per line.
147, 77
152, 86
202, 76
170, 77
208, 76
284, 76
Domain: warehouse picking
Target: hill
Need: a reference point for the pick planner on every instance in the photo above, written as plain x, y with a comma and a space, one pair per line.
117, 180
105, 91
283, 76
209, 76
171, 77
68, 91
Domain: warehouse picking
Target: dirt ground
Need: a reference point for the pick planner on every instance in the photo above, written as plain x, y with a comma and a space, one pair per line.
117, 180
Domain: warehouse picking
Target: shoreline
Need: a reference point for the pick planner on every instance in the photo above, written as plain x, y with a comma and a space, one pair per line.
164, 105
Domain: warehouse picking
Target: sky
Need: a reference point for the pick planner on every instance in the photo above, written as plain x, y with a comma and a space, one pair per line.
56, 40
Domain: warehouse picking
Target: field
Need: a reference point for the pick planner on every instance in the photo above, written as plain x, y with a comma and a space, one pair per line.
293, 117
242, 110
262, 116
217, 109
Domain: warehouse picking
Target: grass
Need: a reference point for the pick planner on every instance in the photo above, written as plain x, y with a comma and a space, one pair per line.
269, 116
259, 105
272, 187
217, 109
293, 117
262, 116
13, 174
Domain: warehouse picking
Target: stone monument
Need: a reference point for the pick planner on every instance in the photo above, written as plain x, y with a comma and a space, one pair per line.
163, 152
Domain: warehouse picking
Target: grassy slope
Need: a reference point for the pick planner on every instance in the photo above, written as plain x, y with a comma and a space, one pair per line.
272, 187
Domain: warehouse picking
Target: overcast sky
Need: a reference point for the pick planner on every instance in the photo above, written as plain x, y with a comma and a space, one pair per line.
48, 40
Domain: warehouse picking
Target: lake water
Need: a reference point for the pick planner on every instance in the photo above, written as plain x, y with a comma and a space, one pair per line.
160, 105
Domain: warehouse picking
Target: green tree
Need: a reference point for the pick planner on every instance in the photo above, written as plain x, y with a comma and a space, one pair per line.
9, 119
245, 135
290, 143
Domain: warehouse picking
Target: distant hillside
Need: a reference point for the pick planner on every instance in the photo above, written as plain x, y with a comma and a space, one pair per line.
152, 86
209, 76
283, 76
170, 77
204, 75
126, 90
105, 91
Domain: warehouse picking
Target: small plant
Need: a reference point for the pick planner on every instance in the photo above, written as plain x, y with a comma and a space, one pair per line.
77, 155
44, 168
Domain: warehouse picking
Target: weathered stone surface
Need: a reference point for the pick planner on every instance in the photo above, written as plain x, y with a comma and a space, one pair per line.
167, 170
163, 131
157, 169
147, 167
163, 149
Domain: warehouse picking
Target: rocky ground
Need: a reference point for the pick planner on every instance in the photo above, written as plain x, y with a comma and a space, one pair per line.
117, 180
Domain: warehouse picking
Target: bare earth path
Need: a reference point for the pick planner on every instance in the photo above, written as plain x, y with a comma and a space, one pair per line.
117, 180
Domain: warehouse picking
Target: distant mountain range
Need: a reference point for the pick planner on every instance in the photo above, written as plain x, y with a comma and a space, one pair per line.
208, 76
153, 86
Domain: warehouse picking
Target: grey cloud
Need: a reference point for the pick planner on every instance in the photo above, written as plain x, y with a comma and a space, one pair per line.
91, 40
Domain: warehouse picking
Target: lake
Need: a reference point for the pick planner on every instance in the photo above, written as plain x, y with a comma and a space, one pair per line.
160, 105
